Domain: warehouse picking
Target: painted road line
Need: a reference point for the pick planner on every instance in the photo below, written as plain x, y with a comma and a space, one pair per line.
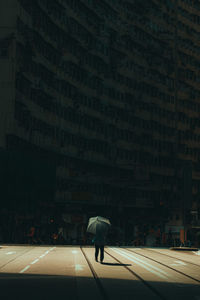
11, 252
36, 260
148, 264
46, 252
141, 264
74, 251
52, 248
78, 267
26, 268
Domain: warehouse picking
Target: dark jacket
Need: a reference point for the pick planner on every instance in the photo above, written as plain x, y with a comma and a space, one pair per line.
100, 238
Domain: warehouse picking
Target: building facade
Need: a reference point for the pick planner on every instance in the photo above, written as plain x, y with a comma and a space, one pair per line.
100, 104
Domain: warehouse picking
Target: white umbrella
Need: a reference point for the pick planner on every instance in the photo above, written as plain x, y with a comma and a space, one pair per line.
99, 224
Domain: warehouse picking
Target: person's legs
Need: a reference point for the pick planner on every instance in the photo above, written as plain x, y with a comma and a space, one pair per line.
102, 253
96, 252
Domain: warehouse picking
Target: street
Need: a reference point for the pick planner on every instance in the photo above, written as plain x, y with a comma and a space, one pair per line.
50, 272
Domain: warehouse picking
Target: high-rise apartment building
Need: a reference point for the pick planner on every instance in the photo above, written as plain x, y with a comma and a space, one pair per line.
100, 104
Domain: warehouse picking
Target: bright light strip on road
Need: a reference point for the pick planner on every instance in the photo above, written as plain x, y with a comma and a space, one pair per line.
146, 263
143, 264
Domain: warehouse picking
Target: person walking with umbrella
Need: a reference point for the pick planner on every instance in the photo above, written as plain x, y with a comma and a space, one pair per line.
99, 242
99, 226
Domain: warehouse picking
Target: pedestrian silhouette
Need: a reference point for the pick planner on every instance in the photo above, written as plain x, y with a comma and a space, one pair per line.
99, 242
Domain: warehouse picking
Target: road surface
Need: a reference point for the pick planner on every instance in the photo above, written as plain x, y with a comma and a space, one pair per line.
67, 272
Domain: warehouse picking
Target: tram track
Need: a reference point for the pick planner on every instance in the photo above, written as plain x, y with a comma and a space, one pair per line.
163, 264
150, 287
101, 287
185, 261
96, 278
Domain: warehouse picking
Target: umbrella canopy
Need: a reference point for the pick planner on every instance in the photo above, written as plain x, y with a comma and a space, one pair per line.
98, 225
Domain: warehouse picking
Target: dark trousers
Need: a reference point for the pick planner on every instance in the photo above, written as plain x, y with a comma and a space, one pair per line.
101, 247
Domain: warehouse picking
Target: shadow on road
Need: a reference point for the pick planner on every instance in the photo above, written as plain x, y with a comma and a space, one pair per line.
45, 286
115, 264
